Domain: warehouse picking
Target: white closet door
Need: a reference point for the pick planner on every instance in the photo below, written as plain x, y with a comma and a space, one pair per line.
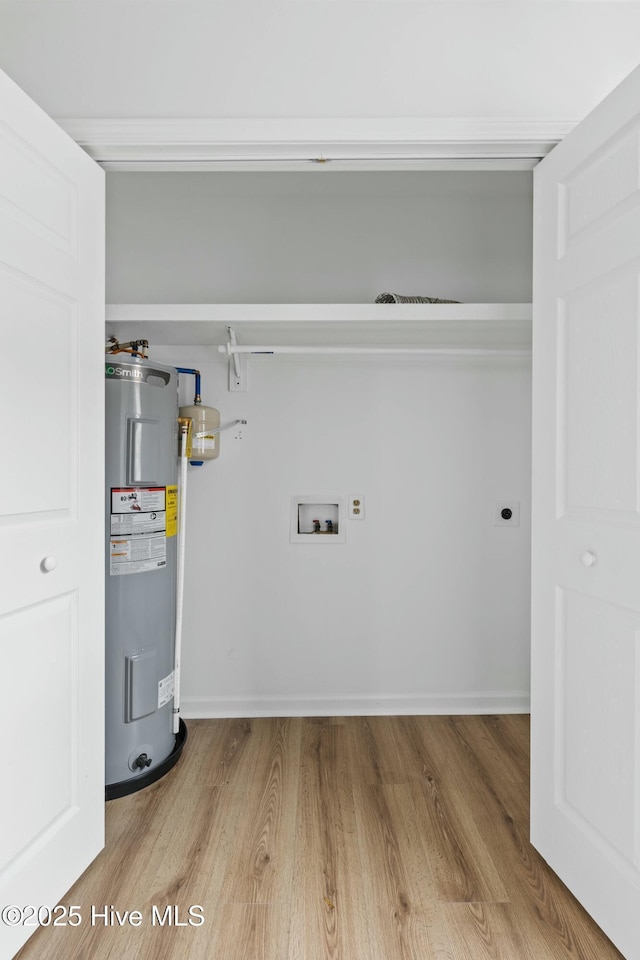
51, 512
585, 804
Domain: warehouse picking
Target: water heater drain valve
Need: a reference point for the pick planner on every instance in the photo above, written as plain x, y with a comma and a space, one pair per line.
142, 761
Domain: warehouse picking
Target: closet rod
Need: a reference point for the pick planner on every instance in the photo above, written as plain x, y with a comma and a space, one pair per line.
233, 349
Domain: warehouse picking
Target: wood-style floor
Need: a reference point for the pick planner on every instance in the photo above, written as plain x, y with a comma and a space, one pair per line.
386, 838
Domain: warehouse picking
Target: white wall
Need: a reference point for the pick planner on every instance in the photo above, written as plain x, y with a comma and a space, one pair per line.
317, 236
426, 605
318, 58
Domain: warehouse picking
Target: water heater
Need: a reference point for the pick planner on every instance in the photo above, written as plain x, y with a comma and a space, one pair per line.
141, 537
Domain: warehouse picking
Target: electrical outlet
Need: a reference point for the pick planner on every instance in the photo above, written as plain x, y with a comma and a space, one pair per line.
507, 513
356, 507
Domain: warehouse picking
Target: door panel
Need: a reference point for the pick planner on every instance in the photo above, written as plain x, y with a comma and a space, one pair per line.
593, 191
51, 509
35, 192
44, 329
598, 383
585, 803
597, 654
45, 638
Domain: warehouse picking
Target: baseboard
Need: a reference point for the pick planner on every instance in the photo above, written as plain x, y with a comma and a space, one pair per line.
356, 705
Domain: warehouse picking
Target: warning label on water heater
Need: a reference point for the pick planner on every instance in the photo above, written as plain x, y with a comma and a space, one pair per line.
165, 689
138, 542
134, 500
172, 511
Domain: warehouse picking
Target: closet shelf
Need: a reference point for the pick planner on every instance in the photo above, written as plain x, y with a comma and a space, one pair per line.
492, 326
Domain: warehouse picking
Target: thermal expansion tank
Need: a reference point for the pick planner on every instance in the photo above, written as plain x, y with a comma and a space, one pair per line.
141, 528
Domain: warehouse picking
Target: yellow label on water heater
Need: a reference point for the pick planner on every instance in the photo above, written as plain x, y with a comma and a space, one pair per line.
172, 511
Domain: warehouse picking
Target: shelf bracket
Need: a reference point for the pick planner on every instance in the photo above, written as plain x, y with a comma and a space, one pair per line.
237, 365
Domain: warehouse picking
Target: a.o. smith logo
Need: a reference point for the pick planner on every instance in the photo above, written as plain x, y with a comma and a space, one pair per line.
127, 371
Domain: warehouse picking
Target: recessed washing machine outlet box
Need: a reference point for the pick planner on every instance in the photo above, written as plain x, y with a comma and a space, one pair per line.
507, 513
317, 518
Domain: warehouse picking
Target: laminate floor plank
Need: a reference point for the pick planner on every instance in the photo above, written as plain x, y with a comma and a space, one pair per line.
405, 915
230, 751
372, 747
460, 860
358, 838
260, 868
249, 931
396, 923
330, 917
497, 742
490, 931
540, 897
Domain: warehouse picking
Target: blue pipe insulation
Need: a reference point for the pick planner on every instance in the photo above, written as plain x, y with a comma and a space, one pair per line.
196, 373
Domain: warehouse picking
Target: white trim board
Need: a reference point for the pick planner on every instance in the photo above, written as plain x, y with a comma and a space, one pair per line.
312, 144
355, 705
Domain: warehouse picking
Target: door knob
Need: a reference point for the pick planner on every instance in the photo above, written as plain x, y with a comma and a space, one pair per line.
48, 564
588, 558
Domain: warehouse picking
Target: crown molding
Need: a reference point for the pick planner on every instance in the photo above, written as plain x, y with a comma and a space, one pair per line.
383, 143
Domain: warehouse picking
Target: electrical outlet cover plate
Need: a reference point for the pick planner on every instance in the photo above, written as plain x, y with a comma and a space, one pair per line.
356, 507
513, 520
